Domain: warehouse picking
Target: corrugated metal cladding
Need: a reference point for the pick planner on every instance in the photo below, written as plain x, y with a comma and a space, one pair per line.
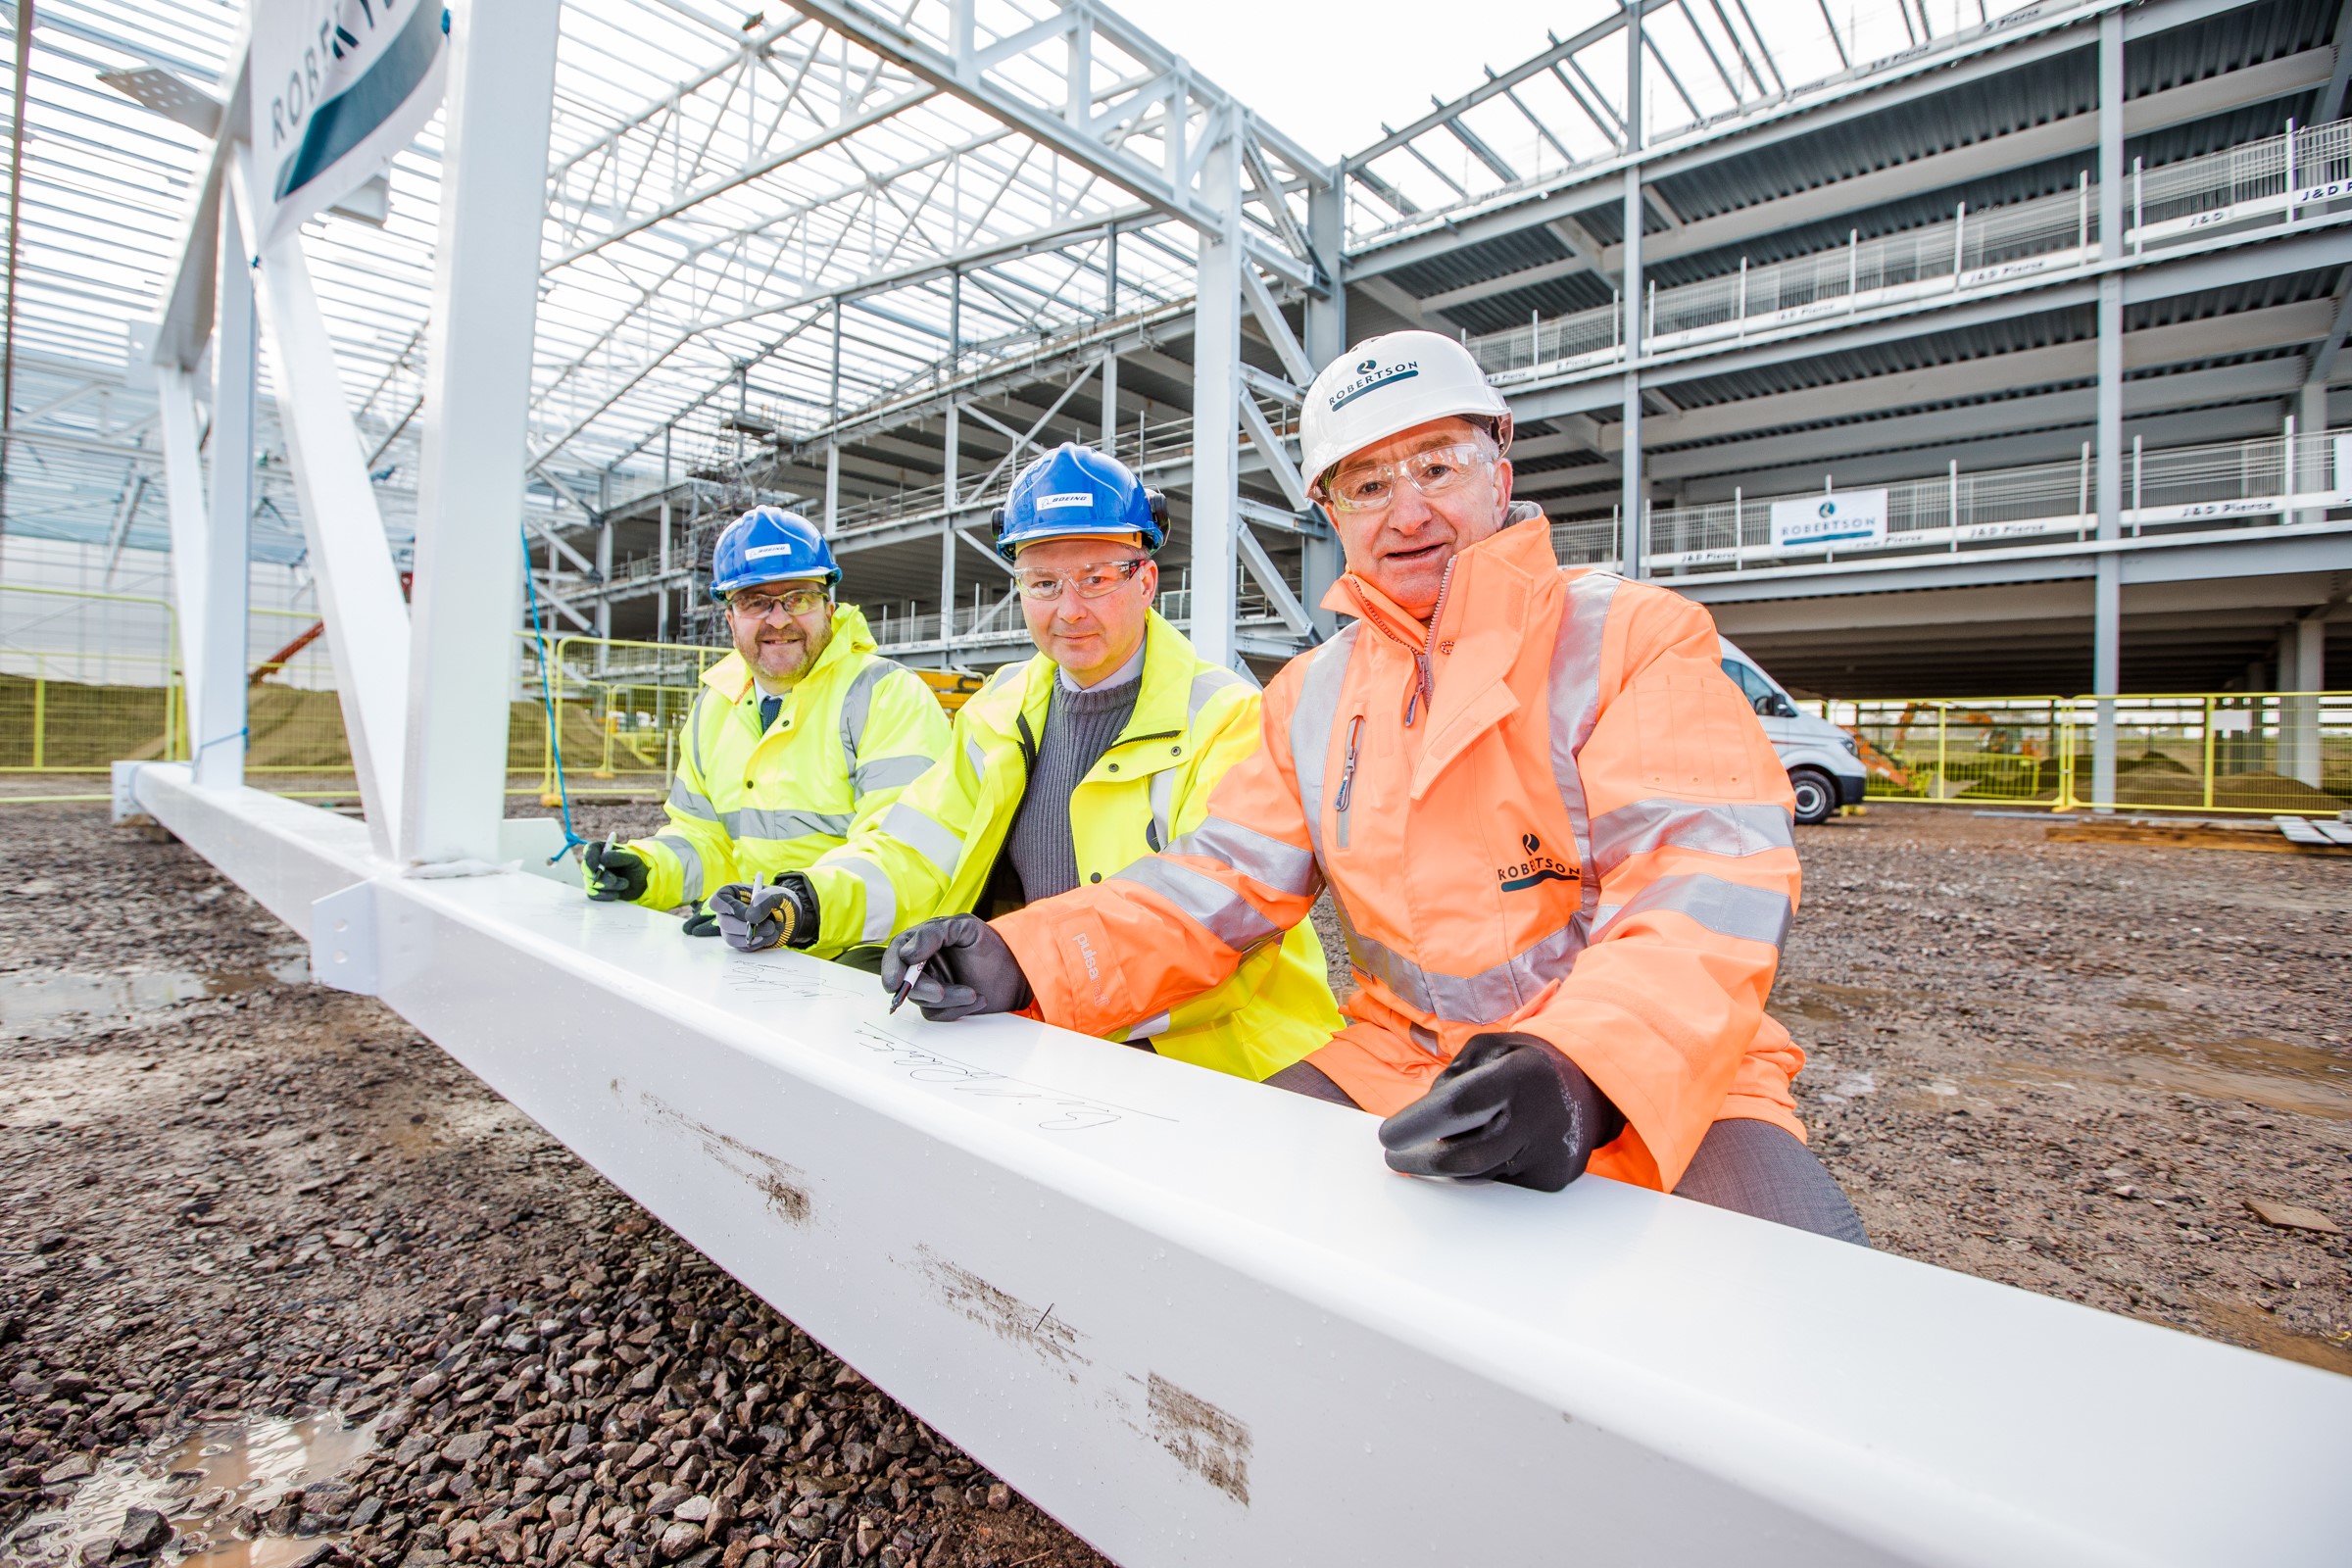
1996, 106
2234, 128
1475, 263
2216, 361
1559, 296
2038, 330
1912, 211
2230, 42
2293, 289
2031, 95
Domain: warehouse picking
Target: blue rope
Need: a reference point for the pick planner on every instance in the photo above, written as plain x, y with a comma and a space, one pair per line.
547, 697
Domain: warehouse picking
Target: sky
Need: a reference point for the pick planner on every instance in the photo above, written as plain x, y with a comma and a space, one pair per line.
1328, 72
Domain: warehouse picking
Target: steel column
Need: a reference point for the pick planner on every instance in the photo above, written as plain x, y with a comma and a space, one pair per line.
1326, 339
2107, 589
1216, 399
1632, 541
469, 557
2311, 677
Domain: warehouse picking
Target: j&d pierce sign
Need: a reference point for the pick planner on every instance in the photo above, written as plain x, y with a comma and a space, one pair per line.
338, 86
1849, 516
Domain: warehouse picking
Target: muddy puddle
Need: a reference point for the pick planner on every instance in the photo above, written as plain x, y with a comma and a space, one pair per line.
222, 1490
2272, 1073
38, 997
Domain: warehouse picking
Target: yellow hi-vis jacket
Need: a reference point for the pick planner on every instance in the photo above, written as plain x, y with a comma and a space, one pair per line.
852, 735
932, 852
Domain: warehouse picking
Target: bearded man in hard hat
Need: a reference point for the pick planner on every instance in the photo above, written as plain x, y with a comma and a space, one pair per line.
1558, 841
794, 737
1069, 767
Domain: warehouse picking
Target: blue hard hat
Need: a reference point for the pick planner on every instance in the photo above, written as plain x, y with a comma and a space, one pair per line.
768, 544
1077, 490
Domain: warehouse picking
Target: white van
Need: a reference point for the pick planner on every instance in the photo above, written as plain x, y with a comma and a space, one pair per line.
1825, 767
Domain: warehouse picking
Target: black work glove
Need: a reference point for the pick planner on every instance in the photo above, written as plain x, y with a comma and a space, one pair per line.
780, 914
967, 969
702, 923
612, 873
1508, 1108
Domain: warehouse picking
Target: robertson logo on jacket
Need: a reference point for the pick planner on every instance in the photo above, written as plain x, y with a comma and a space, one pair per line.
1536, 867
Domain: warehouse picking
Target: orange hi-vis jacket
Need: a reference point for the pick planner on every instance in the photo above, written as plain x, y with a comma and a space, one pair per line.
1548, 812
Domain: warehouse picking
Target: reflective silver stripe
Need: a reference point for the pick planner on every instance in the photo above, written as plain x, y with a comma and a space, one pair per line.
1282, 866
1163, 801
1313, 722
690, 860
888, 773
752, 823
694, 728
1156, 1024
1644, 825
1207, 684
927, 837
1480, 997
976, 757
1575, 699
1222, 913
687, 800
1727, 909
857, 703
881, 898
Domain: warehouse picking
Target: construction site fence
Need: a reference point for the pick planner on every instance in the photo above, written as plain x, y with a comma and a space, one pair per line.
2222, 754
116, 693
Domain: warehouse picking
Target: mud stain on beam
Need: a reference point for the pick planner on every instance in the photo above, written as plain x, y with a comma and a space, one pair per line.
1210, 1443
782, 1185
1031, 1326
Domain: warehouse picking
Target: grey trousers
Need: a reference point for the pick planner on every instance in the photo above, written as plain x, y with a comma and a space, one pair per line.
1750, 1167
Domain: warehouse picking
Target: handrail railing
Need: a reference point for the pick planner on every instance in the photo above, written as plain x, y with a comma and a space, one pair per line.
2166, 489
2281, 176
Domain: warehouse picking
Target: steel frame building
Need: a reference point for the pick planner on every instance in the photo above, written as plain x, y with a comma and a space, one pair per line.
1941, 272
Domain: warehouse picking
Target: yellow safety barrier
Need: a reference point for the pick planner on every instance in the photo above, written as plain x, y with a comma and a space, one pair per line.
619, 707
2259, 754
2218, 752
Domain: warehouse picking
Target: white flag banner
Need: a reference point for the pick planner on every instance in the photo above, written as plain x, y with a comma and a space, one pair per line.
337, 87
1849, 516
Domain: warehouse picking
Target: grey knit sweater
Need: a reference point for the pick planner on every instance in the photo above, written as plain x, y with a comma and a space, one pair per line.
1080, 726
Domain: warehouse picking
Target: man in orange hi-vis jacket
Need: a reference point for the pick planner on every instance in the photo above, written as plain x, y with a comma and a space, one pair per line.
1558, 841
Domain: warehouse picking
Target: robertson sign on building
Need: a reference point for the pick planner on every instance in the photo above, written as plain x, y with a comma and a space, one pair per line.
337, 87
1848, 517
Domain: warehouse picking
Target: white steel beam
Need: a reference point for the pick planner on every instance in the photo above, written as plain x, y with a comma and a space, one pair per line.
1057, 80
351, 562
469, 550
1200, 1323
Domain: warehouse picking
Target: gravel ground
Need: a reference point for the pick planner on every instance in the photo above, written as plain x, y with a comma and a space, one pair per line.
281, 1283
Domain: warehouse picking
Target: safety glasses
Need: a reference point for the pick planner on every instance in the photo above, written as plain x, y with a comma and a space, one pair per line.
1087, 582
1372, 486
753, 605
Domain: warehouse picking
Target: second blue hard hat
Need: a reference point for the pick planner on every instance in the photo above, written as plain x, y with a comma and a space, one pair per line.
768, 544
1073, 491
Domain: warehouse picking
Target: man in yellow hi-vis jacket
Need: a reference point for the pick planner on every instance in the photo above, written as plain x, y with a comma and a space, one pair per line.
797, 736
1067, 769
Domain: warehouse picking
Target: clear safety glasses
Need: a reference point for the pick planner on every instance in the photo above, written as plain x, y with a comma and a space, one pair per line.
1087, 582
753, 605
1371, 486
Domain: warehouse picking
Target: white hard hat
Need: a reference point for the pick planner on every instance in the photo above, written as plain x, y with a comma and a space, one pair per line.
1390, 383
